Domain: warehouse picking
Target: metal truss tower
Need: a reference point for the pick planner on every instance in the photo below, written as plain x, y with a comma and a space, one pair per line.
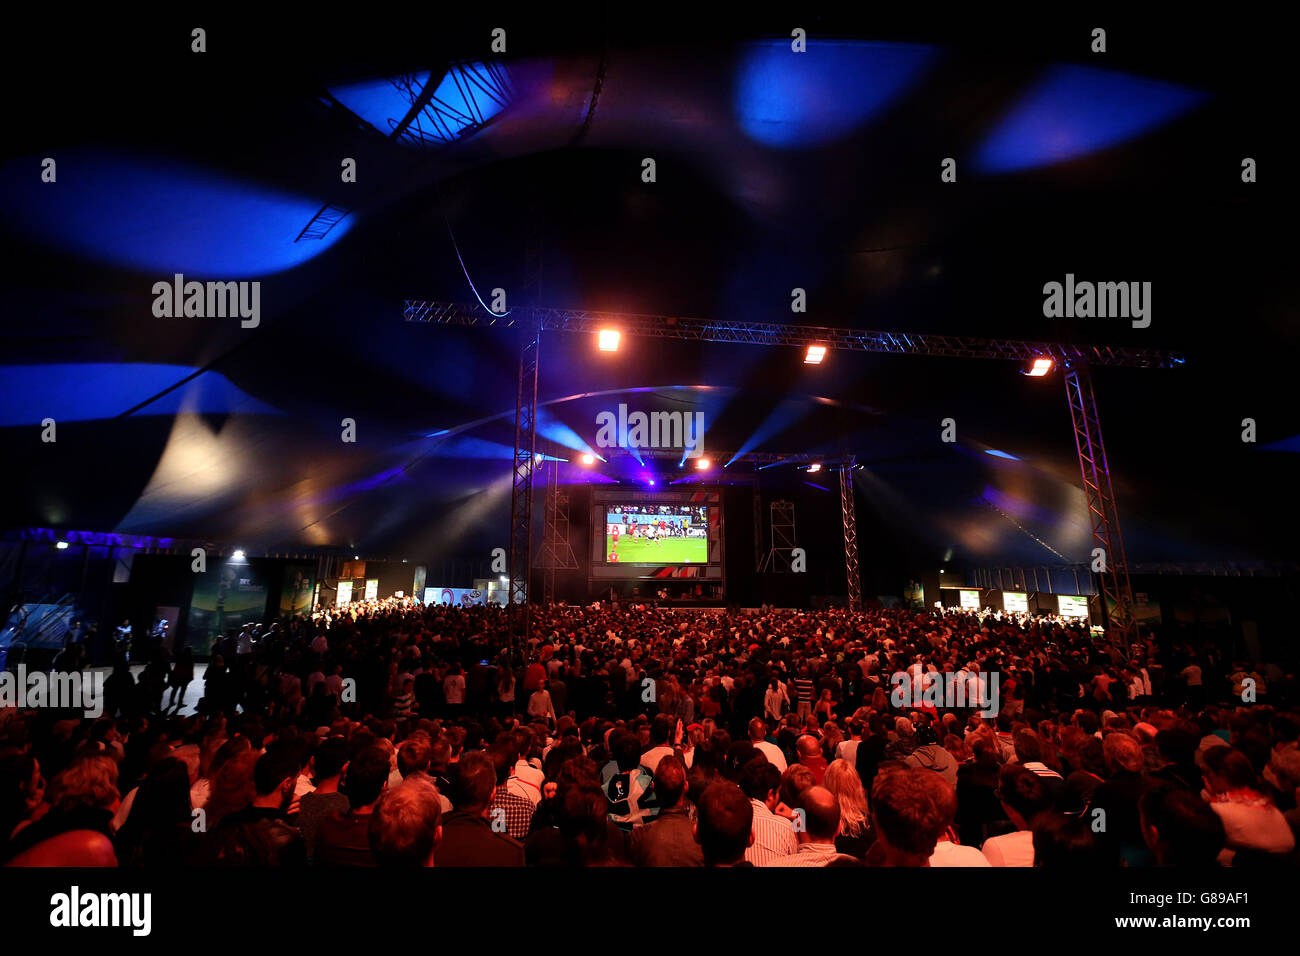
521, 488
849, 518
1114, 586
557, 549
783, 538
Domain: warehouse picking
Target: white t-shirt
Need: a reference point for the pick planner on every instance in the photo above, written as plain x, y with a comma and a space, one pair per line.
1011, 849
773, 754
947, 853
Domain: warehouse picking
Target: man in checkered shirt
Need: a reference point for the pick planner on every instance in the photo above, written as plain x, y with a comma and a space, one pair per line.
508, 809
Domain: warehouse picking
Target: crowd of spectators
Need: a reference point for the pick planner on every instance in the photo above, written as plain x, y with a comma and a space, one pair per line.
400, 735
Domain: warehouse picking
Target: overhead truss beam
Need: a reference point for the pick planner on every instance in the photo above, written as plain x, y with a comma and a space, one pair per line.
772, 333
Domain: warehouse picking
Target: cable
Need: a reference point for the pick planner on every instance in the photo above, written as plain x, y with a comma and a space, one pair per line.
461, 258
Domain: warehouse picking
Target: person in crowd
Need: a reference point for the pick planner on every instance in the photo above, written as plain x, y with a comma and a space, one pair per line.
325, 799
316, 693
82, 796
1114, 803
758, 737
259, 834
818, 815
506, 807
910, 810
668, 840
1065, 842
773, 834
406, 825
344, 838
159, 830
810, 756
1179, 828
628, 788
180, 677
724, 825
855, 836
1024, 796
1252, 823
470, 835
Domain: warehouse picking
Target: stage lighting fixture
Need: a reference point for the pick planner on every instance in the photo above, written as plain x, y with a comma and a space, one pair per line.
814, 468
61, 545
702, 463
609, 340
815, 355
237, 556
588, 459
1040, 367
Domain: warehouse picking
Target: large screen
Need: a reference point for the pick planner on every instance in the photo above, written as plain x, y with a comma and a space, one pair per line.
648, 534
641, 535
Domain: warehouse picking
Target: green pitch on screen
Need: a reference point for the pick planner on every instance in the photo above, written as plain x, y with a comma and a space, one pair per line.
669, 551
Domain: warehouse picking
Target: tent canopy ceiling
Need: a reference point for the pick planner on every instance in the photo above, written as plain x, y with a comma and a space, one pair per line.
774, 171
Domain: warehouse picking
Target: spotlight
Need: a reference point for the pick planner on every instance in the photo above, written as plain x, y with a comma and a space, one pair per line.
588, 459
702, 463
608, 339
61, 545
814, 468
1041, 367
237, 556
815, 355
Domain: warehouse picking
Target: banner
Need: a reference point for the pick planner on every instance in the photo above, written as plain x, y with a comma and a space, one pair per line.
464, 597
297, 590
225, 598
1015, 601
970, 600
345, 594
372, 589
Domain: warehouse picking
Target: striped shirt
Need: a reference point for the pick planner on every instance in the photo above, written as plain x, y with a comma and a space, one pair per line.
809, 854
773, 836
804, 688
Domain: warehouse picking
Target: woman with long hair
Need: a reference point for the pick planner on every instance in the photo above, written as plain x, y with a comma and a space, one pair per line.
158, 831
855, 818
505, 689
232, 780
